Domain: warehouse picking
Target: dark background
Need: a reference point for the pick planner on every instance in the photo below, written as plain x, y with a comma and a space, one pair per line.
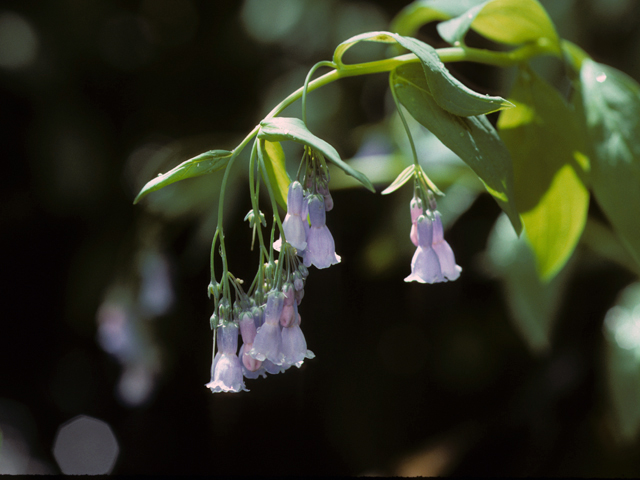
408, 379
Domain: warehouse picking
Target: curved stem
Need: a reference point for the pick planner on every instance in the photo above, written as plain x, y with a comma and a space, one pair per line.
306, 85
404, 122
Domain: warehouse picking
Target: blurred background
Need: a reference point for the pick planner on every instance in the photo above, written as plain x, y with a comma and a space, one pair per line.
105, 343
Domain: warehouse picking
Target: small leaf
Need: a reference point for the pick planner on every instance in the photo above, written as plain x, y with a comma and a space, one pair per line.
274, 162
454, 30
547, 145
381, 37
515, 22
611, 102
448, 91
283, 128
473, 139
203, 164
400, 180
533, 304
621, 327
421, 12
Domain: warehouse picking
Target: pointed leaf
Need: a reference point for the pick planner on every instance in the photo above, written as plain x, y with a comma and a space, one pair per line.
283, 128
547, 146
611, 102
448, 91
400, 180
381, 37
421, 12
473, 139
274, 162
515, 22
203, 164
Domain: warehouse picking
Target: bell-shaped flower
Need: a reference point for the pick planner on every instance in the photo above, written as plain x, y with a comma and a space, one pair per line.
321, 249
267, 343
445, 255
251, 368
416, 211
226, 369
425, 266
294, 345
294, 222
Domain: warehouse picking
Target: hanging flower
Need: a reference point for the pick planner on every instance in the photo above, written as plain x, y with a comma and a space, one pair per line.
425, 266
293, 225
226, 369
416, 211
267, 343
445, 254
321, 249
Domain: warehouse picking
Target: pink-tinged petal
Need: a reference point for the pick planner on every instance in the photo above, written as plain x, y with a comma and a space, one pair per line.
445, 254
294, 231
267, 345
226, 376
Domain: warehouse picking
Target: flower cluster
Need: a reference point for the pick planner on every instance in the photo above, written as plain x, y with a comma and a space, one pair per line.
433, 261
268, 319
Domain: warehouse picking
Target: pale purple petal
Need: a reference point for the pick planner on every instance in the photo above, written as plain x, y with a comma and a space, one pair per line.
425, 267
294, 346
251, 368
445, 254
294, 232
321, 249
294, 198
228, 338
267, 344
226, 374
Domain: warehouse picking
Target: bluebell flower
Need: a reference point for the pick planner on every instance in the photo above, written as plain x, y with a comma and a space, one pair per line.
226, 369
267, 343
416, 211
425, 266
321, 249
251, 368
445, 254
294, 222
294, 345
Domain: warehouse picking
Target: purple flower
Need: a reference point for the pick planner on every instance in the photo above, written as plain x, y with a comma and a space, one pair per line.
226, 369
321, 249
425, 266
267, 343
294, 346
293, 224
251, 368
445, 255
416, 211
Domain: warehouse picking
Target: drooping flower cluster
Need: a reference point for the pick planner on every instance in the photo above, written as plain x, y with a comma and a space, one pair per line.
268, 320
433, 260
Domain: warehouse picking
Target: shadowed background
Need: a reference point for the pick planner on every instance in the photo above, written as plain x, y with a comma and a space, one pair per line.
105, 306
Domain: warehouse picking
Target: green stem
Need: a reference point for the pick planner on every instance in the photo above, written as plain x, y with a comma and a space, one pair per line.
306, 85
404, 123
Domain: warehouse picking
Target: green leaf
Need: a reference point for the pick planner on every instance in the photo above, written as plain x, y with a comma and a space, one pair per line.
400, 180
623, 361
448, 91
203, 164
548, 148
611, 103
274, 162
283, 128
473, 139
381, 37
454, 30
515, 22
421, 12
533, 304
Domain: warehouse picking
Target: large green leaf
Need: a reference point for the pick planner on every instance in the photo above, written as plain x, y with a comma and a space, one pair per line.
548, 149
449, 92
278, 129
274, 161
421, 12
473, 139
611, 103
533, 304
515, 22
622, 331
203, 164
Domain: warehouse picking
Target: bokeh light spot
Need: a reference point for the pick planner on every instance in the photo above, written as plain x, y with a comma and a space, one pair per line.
85, 446
18, 41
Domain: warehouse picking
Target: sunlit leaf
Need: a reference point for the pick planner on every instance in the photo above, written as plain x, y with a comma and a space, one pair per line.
473, 139
380, 37
515, 22
454, 30
547, 146
421, 12
622, 331
533, 304
274, 162
203, 164
283, 128
611, 102
448, 91
400, 180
